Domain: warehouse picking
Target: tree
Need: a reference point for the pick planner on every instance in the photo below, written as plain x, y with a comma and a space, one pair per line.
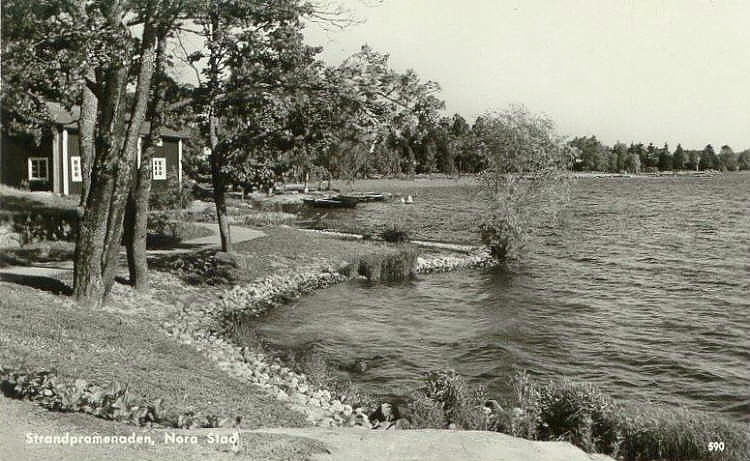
666, 162
620, 151
678, 158
368, 103
526, 182
727, 159
743, 160
708, 159
632, 163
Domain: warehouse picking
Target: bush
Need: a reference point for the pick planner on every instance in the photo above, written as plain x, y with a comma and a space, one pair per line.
389, 267
169, 227
446, 399
578, 413
395, 235
45, 224
174, 195
653, 432
526, 183
586, 417
38, 252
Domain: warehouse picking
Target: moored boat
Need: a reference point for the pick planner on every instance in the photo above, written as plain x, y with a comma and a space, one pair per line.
329, 202
363, 196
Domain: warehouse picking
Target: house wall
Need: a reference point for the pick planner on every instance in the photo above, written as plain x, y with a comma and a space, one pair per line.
168, 150
14, 162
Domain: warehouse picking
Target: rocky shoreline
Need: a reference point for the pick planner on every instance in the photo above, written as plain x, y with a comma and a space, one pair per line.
205, 328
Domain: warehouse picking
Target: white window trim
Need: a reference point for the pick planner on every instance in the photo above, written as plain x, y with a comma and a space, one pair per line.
163, 161
46, 168
75, 169
65, 155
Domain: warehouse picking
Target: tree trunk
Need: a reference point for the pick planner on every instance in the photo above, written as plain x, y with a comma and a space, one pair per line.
220, 187
100, 232
136, 216
86, 127
91, 251
217, 154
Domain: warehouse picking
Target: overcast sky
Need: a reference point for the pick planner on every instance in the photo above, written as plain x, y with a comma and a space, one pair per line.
630, 70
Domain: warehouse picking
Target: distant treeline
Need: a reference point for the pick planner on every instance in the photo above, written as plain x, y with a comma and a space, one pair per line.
592, 155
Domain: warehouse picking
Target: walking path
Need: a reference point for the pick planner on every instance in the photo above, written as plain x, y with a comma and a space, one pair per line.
23, 420
50, 269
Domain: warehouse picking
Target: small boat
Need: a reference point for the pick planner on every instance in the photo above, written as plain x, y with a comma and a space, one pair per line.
330, 202
363, 196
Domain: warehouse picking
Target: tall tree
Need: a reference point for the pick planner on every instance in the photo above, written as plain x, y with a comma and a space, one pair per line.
727, 158
678, 158
708, 158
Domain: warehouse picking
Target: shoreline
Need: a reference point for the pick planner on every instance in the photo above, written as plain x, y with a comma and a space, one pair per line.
206, 329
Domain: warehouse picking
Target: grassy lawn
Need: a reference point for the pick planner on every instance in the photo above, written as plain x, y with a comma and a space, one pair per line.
282, 249
43, 331
12, 199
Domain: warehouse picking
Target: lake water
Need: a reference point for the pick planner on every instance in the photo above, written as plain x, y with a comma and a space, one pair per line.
643, 290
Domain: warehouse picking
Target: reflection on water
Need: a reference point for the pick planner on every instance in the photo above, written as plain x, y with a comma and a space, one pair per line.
644, 291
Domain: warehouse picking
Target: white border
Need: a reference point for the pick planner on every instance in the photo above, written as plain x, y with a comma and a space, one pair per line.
179, 161
66, 180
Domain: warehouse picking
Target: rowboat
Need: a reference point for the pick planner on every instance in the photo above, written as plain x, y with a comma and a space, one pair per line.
331, 202
363, 196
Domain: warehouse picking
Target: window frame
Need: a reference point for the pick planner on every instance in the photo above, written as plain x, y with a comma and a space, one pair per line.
163, 162
31, 168
75, 167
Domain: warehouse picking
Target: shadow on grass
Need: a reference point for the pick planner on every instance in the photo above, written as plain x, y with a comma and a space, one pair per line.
39, 282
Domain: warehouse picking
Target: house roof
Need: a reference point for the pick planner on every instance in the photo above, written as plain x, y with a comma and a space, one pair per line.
69, 119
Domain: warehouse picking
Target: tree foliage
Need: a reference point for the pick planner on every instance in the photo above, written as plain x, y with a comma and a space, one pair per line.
526, 182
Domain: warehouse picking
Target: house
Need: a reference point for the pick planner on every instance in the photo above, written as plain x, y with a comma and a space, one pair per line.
53, 163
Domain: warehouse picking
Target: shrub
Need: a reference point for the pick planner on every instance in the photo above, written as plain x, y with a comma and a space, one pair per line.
173, 195
42, 224
446, 399
578, 413
392, 266
654, 432
172, 226
527, 180
38, 252
395, 235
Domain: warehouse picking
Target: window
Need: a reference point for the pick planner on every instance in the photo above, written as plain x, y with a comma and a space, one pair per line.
75, 169
159, 168
38, 169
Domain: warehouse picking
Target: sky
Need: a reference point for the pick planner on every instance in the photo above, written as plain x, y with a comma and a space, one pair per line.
675, 71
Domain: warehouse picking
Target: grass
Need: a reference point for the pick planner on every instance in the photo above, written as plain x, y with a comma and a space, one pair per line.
42, 331
265, 218
283, 248
13, 199
586, 417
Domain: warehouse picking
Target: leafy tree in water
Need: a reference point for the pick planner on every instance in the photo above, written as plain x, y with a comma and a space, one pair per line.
527, 180
678, 158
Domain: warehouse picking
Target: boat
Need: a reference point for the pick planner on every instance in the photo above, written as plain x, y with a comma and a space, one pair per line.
363, 196
329, 202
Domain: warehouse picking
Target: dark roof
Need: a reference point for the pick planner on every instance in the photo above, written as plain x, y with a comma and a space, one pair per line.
69, 119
